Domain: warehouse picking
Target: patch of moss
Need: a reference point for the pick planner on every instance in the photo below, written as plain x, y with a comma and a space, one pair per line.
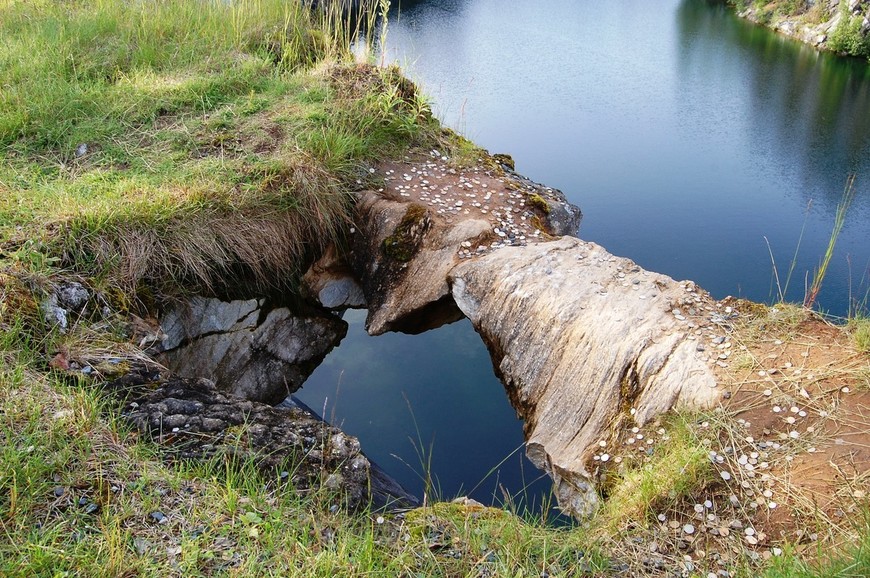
404, 243
538, 202
539, 224
505, 160
752, 310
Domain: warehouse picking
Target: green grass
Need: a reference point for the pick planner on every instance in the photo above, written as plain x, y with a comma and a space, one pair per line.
860, 328
676, 469
163, 147
854, 562
155, 142
83, 495
847, 36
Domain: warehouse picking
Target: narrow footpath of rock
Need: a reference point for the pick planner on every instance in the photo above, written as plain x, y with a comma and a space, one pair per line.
586, 344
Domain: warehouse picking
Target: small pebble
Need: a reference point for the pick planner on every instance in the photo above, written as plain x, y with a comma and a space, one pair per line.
689, 529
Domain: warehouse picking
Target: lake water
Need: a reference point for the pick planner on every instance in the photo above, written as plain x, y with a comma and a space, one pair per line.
686, 136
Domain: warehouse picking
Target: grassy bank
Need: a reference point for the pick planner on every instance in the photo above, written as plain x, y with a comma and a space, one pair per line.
154, 143
157, 148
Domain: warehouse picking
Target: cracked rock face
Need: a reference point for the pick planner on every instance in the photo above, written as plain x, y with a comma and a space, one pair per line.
195, 421
584, 343
247, 351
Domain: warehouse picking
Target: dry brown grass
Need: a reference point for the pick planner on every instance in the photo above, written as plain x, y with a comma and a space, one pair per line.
262, 247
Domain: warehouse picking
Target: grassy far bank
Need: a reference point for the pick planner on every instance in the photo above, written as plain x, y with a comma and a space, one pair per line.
157, 148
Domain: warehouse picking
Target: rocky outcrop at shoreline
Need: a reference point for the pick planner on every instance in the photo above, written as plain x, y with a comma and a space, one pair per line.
587, 344
252, 351
840, 26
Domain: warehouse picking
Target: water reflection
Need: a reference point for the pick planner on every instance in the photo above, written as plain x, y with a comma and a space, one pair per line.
427, 403
812, 107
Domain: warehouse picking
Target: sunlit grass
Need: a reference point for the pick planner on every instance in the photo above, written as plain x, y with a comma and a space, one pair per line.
149, 142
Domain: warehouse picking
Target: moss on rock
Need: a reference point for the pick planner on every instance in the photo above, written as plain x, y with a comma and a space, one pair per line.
405, 241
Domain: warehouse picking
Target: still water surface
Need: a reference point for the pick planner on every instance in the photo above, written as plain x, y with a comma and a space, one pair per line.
685, 135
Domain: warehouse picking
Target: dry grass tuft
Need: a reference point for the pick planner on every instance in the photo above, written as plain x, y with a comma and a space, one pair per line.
263, 247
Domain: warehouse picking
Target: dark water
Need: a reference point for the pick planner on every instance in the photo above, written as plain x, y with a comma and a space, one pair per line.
427, 403
686, 136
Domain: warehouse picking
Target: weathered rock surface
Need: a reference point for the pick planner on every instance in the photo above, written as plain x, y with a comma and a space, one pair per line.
252, 353
403, 261
585, 344
65, 299
430, 215
196, 421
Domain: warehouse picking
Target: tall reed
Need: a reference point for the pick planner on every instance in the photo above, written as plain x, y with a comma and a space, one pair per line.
839, 221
